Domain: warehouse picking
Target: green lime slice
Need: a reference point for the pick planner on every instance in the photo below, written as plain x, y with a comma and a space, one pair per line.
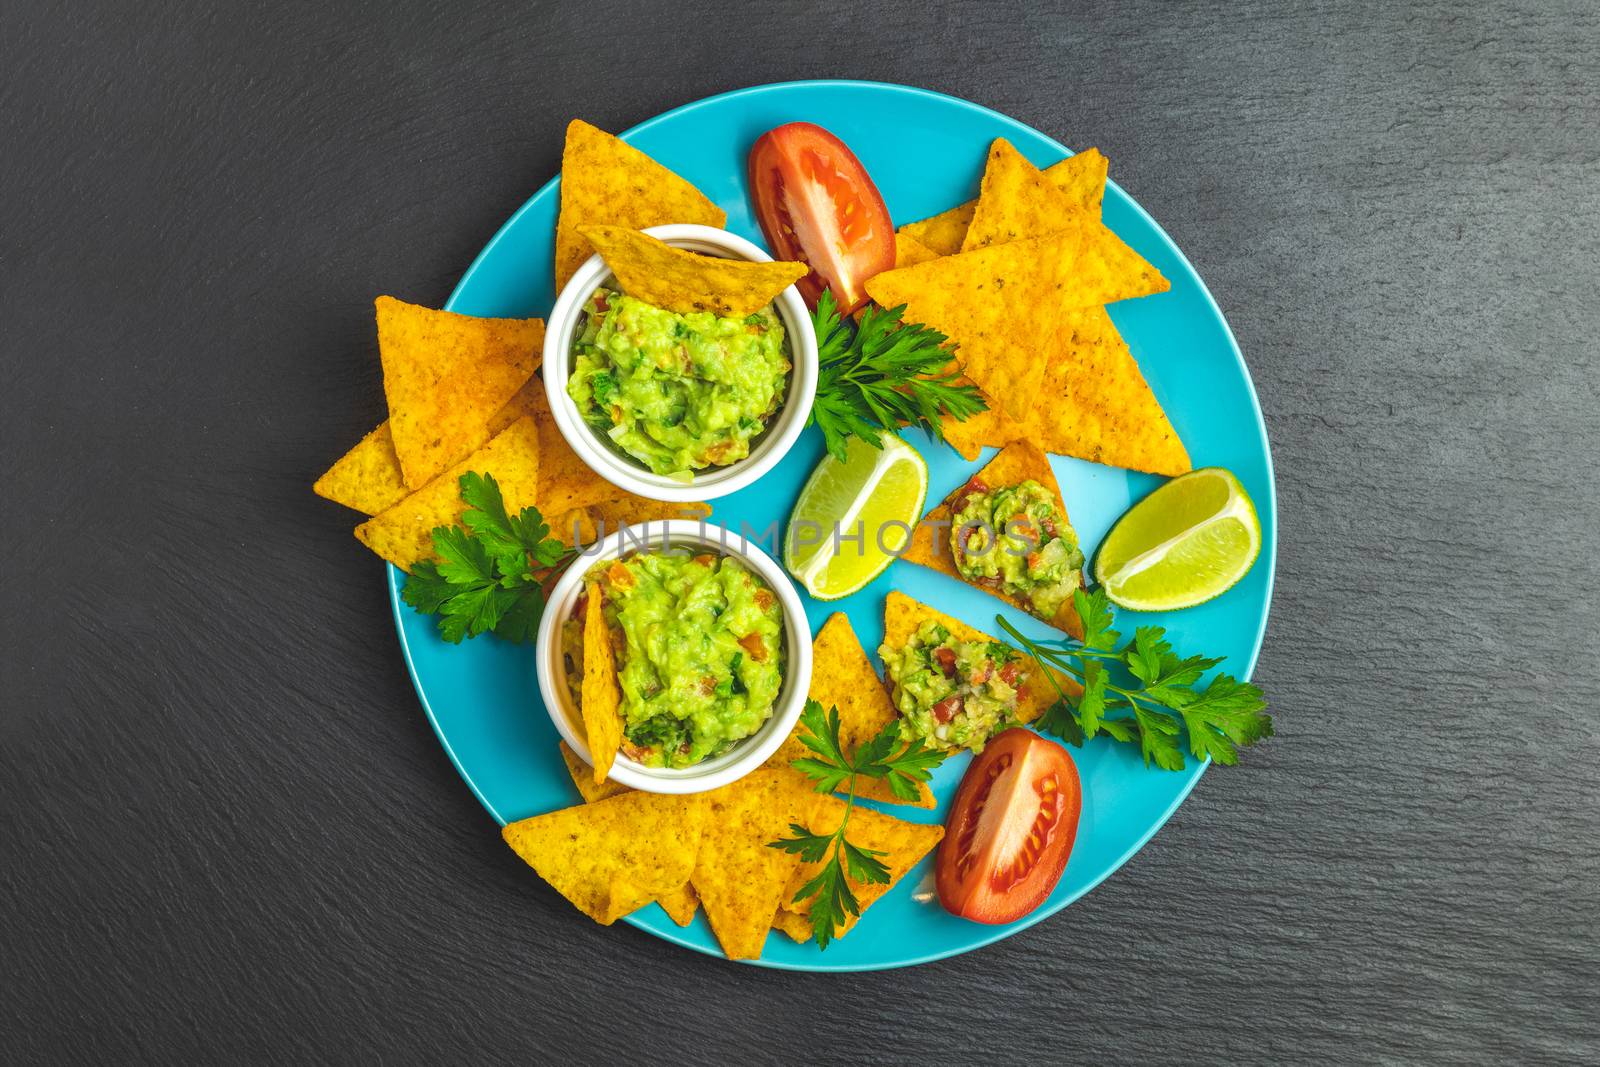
852, 517
1187, 542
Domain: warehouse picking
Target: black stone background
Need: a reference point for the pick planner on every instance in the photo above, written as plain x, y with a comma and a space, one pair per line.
227, 832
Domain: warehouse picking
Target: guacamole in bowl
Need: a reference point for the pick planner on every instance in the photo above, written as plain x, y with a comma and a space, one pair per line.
676, 392
699, 642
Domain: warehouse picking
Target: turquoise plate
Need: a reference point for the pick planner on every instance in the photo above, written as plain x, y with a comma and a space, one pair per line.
926, 152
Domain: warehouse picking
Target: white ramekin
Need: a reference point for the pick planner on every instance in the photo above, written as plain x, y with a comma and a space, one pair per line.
623, 471
747, 755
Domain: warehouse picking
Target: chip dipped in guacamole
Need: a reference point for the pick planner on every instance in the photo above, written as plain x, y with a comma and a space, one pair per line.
700, 653
677, 392
953, 692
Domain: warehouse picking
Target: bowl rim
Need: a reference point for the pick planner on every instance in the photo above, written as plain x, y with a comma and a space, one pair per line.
748, 754
783, 428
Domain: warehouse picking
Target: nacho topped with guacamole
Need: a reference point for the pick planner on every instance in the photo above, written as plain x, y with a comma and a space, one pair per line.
1014, 538
699, 653
677, 392
951, 692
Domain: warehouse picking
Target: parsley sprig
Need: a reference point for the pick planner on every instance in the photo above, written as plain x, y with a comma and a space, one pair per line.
879, 374
492, 570
905, 768
1165, 697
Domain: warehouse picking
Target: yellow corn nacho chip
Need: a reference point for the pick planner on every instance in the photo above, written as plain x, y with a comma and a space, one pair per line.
1005, 305
1019, 200
602, 696
843, 677
445, 376
740, 880
1018, 462
583, 777
366, 478
606, 181
901, 617
403, 533
612, 857
1081, 177
686, 282
681, 903
902, 843
908, 251
1096, 404
794, 924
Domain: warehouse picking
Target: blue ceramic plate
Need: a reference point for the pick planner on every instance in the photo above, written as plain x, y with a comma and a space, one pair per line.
926, 152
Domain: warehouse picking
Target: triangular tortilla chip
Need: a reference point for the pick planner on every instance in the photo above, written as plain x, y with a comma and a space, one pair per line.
901, 617
1005, 305
612, 857
602, 696
930, 541
583, 777
903, 844
1095, 404
445, 376
1019, 200
1081, 177
908, 251
740, 880
681, 903
794, 924
403, 534
366, 478
606, 181
842, 677
684, 281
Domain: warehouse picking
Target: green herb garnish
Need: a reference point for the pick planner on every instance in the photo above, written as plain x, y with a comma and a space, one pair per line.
492, 569
1165, 696
904, 768
880, 374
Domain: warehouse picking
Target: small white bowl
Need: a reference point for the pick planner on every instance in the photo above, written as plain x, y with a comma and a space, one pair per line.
623, 471
748, 754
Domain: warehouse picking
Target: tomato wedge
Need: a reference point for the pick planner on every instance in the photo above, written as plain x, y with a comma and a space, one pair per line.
817, 206
1011, 829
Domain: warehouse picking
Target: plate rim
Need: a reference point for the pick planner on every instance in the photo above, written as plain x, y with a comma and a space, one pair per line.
1270, 545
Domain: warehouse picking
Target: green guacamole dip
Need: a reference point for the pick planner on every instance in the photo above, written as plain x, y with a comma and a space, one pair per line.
699, 653
953, 694
677, 392
1036, 559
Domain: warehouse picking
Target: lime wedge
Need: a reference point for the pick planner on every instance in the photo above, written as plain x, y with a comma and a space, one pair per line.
852, 517
1185, 543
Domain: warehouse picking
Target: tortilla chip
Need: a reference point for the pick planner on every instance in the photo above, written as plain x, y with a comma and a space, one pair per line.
843, 677
606, 181
904, 844
1005, 305
403, 534
602, 696
445, 376
583, 777
1018, 462
908, 251
366, 478
794, 924
1019, 200
1081, 177
680, 904
612, 857
740, 880
684, 281
1101, 408
901, 617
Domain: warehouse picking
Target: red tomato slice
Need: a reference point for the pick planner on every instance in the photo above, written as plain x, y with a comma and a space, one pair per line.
817, 206
1011, 829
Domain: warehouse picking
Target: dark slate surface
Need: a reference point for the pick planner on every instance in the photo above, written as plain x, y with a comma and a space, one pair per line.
227, 831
